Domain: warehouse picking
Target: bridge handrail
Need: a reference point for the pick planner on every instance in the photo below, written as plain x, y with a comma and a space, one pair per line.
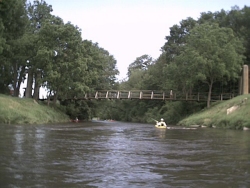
155, 95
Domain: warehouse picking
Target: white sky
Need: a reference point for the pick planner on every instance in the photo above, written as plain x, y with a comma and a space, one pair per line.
131, 28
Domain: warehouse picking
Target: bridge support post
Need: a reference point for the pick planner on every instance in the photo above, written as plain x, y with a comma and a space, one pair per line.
107, 95
245, 84
140, 94
96, 95
129, 95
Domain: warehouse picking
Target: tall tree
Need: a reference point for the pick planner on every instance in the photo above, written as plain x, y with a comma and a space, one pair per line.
13, 21
107, 74
213, 53
137, 72
101, 66
237, 19
177, 38
141, 63
39, 12
64, 67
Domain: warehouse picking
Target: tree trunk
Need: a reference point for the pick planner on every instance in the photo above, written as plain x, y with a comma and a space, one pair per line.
55, 98
19, 81
28, 92
15, 75
48, 98
209, 95
37, 85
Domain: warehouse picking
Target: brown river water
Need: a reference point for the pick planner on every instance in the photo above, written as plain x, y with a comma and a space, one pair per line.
122, 155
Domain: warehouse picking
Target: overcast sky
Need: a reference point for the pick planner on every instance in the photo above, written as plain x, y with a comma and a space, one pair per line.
131, 28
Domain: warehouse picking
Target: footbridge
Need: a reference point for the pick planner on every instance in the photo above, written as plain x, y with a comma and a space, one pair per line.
153, 95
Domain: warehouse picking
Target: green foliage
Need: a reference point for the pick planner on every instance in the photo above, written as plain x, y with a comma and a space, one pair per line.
107, 109
65, 67
138, 75
177, 38
141, 63
98, 74
13, 21
213, 53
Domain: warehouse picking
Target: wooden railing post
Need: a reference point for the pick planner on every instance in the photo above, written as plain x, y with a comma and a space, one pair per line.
107, 94
140, 94
129, 95
118, 95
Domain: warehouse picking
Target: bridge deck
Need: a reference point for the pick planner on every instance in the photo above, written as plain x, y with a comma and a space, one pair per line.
153, 95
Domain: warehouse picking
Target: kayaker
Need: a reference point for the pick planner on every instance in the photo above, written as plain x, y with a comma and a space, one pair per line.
162, 122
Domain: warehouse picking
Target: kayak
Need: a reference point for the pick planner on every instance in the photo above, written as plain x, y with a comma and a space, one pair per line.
161, 125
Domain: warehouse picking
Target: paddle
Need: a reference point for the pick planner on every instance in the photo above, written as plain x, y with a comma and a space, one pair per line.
154, 120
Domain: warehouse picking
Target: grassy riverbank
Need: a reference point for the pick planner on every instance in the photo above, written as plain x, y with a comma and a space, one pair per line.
15, 110
232, 114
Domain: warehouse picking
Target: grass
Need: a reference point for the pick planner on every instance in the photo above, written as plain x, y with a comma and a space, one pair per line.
216, 115
27, 111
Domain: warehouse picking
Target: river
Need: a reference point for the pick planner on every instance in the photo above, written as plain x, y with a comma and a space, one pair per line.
122, 155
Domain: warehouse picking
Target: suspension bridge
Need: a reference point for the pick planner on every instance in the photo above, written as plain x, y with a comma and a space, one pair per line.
153, 95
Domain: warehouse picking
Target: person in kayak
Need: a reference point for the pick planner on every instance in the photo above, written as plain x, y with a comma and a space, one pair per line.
162, 123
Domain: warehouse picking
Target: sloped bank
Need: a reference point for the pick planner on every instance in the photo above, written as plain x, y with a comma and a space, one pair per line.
27, 111
231, 114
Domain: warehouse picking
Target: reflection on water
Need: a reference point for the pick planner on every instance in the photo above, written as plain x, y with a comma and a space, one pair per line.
114, 154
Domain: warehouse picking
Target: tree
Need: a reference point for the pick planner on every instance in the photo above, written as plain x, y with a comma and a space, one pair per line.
107, 73
213, 53
237, 19
39, 13
172, 48
141, 63
101, 66
63, 63
159, 78
177, 38
13, 21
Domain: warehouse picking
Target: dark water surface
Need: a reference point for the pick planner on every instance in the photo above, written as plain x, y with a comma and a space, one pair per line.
124, 155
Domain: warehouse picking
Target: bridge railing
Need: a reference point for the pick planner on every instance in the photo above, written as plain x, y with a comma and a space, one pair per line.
133, 94
155, 95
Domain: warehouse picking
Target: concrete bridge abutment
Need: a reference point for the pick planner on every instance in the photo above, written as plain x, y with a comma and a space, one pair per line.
244, 89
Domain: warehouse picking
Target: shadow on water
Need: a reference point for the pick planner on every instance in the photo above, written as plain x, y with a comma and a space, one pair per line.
116, 154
